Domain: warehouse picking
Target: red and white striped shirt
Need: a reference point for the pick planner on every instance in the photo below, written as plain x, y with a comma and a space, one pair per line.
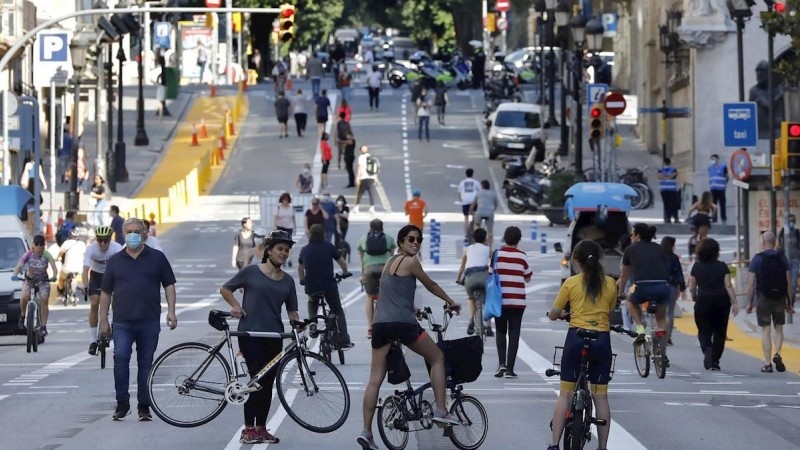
512, 267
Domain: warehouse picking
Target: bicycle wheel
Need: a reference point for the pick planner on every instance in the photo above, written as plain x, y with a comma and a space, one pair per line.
392, 424
658, 359
309, 386
641, 358
187, 385
480, 328
473, 425
30, 324
638, 201
578, 431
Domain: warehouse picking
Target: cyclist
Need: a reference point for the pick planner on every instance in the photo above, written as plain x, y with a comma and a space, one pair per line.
72, 251
591, 296
315, 271
643, 262
375, 248
473, 273
266, 288
37, 261
396, 320
94, 266
483, 209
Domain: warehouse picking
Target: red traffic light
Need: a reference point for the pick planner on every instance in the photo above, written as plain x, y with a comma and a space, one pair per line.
794, 130
780, 7
287, 13
596, 112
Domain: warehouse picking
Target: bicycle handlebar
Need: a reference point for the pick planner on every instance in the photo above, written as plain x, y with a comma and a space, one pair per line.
619, 329
341, 276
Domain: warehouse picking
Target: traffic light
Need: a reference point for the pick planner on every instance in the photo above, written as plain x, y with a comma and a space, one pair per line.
286, 20
790, 145
596, 125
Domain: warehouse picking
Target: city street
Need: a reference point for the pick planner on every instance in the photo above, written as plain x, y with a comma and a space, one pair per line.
63, 393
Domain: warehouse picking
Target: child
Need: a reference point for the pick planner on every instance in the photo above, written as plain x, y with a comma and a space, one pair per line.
305, 181
327, 155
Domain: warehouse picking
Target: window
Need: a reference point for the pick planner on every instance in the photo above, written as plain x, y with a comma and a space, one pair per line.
11, 251
518, 119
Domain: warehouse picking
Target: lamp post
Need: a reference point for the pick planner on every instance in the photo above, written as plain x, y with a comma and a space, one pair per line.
111, 177
77, 50
141, 134
121, 171
578, 27
562, 20
551, 66
671, 47
540, 7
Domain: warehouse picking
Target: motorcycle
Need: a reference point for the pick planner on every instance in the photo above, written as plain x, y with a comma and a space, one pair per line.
527, 192
398, 75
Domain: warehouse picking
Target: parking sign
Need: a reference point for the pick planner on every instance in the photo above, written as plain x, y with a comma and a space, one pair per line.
51, 53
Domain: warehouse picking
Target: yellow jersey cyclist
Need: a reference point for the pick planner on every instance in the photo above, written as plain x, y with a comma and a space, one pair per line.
591, 295
36, 260
94, 266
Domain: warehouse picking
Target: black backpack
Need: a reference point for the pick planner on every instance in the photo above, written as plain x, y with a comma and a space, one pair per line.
397, 370
376, 244
373, 165
342, 128
771, 276
62, 234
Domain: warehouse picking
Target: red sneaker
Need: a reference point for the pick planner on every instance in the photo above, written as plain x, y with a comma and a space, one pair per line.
267, 437
250, 436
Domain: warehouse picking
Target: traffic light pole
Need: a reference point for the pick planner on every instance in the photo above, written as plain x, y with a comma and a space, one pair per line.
742, 196
773, 196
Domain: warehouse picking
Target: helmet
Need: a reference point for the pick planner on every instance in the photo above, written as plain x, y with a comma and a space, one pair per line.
103, 231
73, 233
278, 237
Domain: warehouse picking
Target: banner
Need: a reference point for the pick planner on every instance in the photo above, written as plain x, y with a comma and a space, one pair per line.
195, 39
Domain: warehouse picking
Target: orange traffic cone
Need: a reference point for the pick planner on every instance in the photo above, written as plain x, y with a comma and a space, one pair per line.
244, 85
60, 216
195, 142
220, 148
289, 83
222, 138
49, 232
230, 125
213, 92
203, 130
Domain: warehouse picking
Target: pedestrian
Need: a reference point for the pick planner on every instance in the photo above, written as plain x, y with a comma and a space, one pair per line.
342, 129
254, 69
367, 176
350, 158
305, 181
424, 115
279, 73
133, 277
627, 322
302, 62
472, 275
668, 182
440, 100
483, 209
314, 215
344, 218
344, 82
64, 153
514, 271
150, 240
243, 241
374, 248
202, 60
266, 288
677, 283
282, 106
416, 92
791, 250
325, 155
714, 298
416, 209
344, 108
300, 106
717, 182
322, 110
284, 218
768, 284
374, 82
478, 69
331, 223
314, 72
116, 224
468, 189
702, 220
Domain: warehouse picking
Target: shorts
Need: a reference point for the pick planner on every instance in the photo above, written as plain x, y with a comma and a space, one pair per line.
385, 332
770, 311
476, 281
489, 222
44, 288
95, 281
600, 359
372, 279
701, 220
325, 165
322, 119
465, 209
283, 119
656, 290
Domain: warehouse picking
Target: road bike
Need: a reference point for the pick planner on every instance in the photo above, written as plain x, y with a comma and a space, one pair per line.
398, 412
650, 348
191, 383
329, 340
577, 429
70, 293
33, 315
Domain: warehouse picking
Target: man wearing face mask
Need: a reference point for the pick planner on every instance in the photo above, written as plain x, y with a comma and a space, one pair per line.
668, 182
331, 223
134, 277
791, 249
718, 180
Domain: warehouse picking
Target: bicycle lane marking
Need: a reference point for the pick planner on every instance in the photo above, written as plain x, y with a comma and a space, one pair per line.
618, 438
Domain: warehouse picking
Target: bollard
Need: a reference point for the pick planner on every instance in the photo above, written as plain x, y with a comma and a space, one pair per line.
544, 243
534, 229
436, 255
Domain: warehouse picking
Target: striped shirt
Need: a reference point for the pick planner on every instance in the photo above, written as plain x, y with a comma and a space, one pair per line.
512, 267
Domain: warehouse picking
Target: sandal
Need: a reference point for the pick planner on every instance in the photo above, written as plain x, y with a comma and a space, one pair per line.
767, 368
779, 366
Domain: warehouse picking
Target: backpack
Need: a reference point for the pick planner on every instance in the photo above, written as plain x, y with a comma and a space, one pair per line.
771, 277
281, 69
376, 244
342, 128
373, 165
62, 234
397, 370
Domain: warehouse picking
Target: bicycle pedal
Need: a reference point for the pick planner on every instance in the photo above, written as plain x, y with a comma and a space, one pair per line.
448, 430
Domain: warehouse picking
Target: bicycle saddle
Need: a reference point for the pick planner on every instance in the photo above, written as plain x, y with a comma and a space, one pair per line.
587, 334
318, 295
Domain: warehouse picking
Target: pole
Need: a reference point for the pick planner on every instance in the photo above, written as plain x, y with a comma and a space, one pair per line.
504, 35
146, 35
141, 139
563, 146
551, 75
540, 27
6, 151
111, 172
228, 44
484, 14
741, 195
773, 196
71, 199
239, 53
52, 133
578, 111
121, 171
214, 45
99, 160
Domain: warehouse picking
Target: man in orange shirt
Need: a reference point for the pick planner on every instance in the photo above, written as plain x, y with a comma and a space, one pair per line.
416, 210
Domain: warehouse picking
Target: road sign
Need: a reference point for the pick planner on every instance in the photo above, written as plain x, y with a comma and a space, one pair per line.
501, 24
740, 125
741, 184
631, 114
213, 3
615, 104
51, 52
595, 93
502, 5
610, 25
60, 77
162, 34
741, 165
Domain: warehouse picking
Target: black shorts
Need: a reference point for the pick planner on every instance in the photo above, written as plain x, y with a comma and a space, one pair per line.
659, 291
322, 119
283, 119
465, 209
599, 358
325, 165
385, 332
95, 281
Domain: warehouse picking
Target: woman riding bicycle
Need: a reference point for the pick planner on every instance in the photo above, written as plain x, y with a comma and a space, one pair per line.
395, 320
473, 273
266, 289
591, 295
37, 261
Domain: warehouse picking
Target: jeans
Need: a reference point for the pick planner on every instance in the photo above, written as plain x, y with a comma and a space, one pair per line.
366, 185
719, 200
672, 205
335, 307
300, 120
346, 93
329, 234
315, 85
424, 121
99, 213
144, 333
374, 96
63, 165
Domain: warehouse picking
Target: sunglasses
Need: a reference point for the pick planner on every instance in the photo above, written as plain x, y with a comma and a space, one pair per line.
413, 239
103, 240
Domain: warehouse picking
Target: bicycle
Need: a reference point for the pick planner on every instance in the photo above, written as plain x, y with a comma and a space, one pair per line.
70, 294
328, 337
395, 412
577, 429
479, 295
103, 342
33, 316
650, 348
197, 371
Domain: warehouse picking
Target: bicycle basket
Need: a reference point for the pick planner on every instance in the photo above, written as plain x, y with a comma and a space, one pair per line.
463, 358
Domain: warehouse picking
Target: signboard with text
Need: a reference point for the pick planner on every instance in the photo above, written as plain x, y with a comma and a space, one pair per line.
759, 216
51, 53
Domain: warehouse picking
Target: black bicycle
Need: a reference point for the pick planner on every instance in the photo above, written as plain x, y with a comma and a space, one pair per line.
33, 314
191, 383
329, 336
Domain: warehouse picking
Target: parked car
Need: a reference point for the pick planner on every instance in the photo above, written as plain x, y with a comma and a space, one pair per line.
14, 242
516, 129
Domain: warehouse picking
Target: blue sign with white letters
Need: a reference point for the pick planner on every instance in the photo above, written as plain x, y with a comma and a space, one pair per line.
595, 93
609, 24
53, 47
740, 125
162, 34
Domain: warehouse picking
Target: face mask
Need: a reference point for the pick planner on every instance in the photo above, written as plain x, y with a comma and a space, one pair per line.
791, 224
305, 171
340, 203
326, 198
713, 161
133, 240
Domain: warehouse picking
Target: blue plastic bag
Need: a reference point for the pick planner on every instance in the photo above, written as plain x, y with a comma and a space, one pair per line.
493, 304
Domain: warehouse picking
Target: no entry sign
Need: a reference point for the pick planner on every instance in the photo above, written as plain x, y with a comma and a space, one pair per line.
502, 5
614, 104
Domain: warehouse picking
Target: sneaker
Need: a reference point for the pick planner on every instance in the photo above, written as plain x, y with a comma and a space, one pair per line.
346, 347
501, 370
489, 332
510, 374
767, 368
122, 410
640, 330
366, 441
707, 358
250, 436
44, 331
144, 414
21, 322
444, 418
553, 447
779, 366
669, 341
93, 348
355, 209
267, 437
471, 328
372, 210
715, 367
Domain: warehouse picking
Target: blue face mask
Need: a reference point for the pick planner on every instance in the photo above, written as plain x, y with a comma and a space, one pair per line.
133, 240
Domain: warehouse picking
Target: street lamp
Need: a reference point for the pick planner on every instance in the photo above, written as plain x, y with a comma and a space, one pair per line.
562, 13
78, 47
540, 6
594, 35
578, 27
121, 171
551, 67
141, 138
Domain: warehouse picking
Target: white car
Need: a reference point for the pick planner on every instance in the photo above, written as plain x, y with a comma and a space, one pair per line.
517, 129
14, 242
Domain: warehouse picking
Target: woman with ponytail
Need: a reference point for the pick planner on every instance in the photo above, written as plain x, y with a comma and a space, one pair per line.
591, 296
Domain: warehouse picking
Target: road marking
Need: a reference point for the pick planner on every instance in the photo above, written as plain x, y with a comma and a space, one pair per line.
540, 286
406, 162
41, 393
3, 396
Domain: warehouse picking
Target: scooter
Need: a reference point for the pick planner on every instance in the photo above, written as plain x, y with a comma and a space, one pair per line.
527, 192
398, 75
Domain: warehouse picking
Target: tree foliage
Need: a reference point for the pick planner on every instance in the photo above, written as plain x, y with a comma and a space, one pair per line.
787, 23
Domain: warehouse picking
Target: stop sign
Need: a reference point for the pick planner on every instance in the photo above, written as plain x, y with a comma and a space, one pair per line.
615, 104
213, 3
502, 5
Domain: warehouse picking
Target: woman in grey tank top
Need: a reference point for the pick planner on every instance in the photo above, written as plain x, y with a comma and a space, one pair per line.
395, 320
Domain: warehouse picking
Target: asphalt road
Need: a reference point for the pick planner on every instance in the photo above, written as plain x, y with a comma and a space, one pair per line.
59, 397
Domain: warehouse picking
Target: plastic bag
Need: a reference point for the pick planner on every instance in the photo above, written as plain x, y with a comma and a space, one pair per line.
493, 304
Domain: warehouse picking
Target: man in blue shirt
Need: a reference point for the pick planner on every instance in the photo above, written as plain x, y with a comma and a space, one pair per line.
717, 182
116, 224
332, 221
668, 182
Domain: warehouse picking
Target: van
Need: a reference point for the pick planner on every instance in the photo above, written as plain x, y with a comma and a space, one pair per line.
15, 241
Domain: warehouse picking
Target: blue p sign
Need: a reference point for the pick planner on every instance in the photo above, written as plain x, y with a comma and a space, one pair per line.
53, 48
